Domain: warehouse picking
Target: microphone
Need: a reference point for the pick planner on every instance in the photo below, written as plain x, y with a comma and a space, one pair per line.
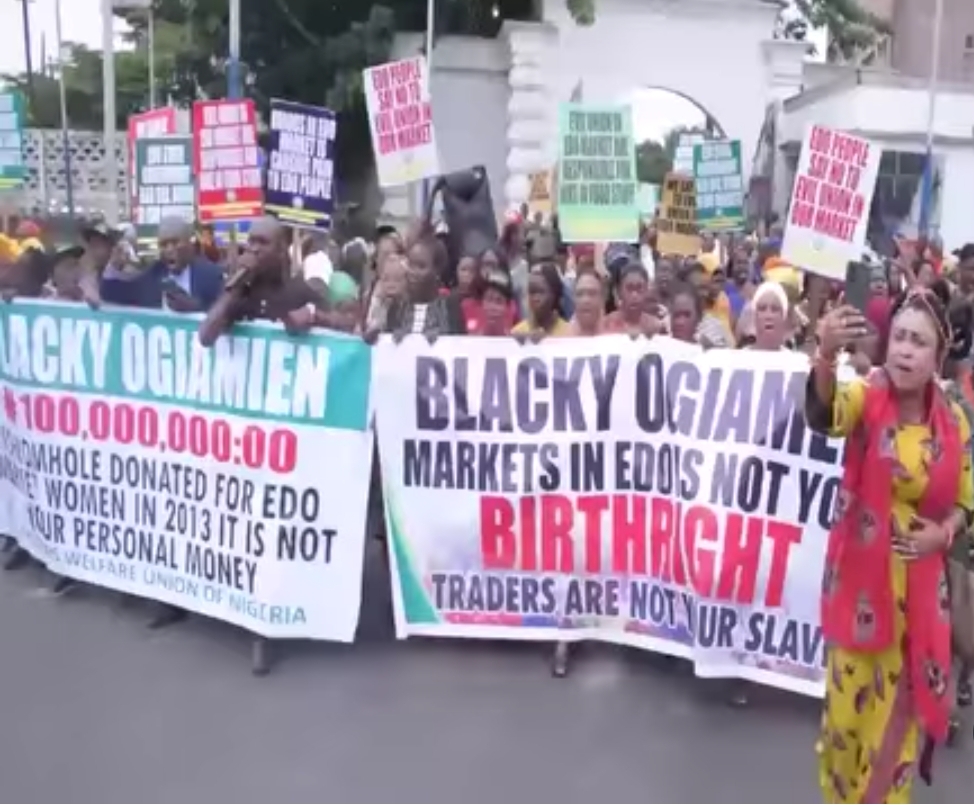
240, 278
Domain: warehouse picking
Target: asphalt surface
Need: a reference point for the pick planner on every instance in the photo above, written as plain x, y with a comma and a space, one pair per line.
96, 708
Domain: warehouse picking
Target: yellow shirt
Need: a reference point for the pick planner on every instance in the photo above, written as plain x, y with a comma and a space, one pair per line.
912, 448
9, 249
722, 310
559, 329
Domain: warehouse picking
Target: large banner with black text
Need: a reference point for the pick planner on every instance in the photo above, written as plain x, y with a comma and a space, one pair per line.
230, 481
641, 492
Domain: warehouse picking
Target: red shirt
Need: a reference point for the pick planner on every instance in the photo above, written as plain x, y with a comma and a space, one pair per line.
473, 314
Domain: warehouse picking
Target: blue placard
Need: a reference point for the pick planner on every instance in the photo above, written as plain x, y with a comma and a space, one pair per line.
299, 181
222, 230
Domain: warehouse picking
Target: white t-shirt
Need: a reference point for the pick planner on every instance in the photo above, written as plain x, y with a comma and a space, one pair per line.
317, 266
419, 317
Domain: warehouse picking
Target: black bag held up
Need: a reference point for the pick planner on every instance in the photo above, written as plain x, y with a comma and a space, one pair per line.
468, 212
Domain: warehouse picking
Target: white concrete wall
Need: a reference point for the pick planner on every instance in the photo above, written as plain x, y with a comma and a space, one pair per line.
895, 110
708, 50
469, 91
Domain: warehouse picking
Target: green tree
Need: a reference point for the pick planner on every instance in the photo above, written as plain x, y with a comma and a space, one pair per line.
652, 162
82, 69
852, 29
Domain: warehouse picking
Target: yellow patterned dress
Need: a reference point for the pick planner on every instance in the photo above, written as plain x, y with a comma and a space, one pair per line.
853, 731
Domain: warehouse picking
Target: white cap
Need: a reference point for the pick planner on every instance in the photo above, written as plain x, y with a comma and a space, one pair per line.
317, 266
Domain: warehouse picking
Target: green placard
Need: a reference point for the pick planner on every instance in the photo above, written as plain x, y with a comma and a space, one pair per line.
164, 184
13, 171
720, 185
596, 174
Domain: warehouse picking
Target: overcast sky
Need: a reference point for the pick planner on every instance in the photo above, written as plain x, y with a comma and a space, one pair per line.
654, 111
80, 22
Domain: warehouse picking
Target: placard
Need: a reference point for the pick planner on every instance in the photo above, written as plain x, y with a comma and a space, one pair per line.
683, 156
229, 184
13, 169
596, 174
719, 185
676, 228
829, 211
154, 123
540, 201
299, 180
397, 97
164, 182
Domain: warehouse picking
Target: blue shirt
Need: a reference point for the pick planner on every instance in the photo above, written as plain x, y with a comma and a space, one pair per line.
202, 279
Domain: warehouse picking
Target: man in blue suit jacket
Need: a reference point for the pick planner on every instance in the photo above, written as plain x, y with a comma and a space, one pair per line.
180, 280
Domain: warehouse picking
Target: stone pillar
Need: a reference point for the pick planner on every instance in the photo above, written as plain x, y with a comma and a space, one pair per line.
531, 108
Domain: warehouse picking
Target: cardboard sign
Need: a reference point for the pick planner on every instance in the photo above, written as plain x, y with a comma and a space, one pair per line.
596, 174
829, 210
227, 161
676, 228
719, 185
301, 165
154, 123
397, 97
164, 183
13, 170
540, 202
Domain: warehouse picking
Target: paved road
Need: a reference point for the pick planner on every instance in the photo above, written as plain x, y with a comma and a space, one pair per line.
95, 708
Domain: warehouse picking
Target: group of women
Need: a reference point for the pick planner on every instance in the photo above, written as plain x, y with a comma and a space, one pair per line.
892, 378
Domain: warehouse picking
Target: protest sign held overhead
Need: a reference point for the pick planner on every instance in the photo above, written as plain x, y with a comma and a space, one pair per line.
540, 201
164, 182
596, 174
676, 228
643, 493
154, 123
683, 156
300, 171
829, 210
719, 185
136, 459
13, 169
397, 97
227, 161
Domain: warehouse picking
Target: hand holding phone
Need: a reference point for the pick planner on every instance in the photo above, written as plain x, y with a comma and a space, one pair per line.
178, 299
858, 278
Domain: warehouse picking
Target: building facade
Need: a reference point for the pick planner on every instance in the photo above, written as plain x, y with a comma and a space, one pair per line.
912, 25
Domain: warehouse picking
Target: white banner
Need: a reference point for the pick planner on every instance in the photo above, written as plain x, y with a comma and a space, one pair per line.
231, 481
636, 492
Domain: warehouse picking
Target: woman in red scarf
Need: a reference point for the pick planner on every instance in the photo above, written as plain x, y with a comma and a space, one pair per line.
907, 490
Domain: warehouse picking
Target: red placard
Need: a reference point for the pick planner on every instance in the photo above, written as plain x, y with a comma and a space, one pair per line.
227, 162
154, 123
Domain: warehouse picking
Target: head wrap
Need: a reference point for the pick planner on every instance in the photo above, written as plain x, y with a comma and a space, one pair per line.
28, 229
770, 288
709, 261
777, 270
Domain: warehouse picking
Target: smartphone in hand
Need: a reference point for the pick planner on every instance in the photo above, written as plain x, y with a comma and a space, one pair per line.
858, 278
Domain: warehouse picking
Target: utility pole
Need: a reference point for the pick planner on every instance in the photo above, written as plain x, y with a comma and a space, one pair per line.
926, 192
25, 22
65, 139
108, 107
234, 83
